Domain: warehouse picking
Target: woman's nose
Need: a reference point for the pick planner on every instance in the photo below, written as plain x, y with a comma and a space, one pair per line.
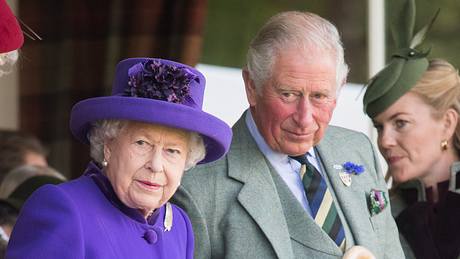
156, 161
385, 139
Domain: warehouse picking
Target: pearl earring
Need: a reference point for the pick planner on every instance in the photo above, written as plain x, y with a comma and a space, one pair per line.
104, 163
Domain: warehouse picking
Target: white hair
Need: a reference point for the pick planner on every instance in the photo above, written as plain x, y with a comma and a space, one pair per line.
109, 129
303, 30
7, 60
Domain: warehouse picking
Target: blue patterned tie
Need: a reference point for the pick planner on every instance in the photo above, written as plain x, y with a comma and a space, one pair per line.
321, 202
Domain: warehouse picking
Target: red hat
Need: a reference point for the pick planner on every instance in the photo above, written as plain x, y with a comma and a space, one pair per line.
11, 37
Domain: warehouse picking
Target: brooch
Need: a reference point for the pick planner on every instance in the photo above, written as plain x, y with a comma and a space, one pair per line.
377, 201
168, 221
348, 169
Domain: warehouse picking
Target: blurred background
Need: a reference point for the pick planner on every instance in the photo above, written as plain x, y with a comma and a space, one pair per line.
84, 39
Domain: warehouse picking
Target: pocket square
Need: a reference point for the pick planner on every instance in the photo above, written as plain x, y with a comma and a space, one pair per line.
377, 201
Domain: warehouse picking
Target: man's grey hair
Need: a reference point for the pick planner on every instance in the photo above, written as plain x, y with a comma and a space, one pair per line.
104, 130
303, 30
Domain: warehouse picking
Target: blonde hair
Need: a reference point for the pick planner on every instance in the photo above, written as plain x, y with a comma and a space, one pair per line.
439, 86
22, 173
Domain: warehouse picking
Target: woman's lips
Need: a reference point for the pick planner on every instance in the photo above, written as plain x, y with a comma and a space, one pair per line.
394, 159
149, 185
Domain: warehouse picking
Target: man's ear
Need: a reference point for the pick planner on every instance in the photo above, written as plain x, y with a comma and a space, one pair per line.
250, 87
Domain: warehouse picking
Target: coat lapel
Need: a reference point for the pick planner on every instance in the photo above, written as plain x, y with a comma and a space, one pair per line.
258, 195
302, 227
352, 200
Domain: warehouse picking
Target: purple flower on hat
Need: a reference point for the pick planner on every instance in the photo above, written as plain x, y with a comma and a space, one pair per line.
155, 80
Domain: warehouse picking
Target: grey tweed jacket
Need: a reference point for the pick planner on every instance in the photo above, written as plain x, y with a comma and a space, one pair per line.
237, 212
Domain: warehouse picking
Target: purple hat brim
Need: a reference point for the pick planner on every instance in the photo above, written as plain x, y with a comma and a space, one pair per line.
216, 134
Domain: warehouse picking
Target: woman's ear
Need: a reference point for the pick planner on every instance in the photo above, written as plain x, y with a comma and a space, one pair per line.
107, 150
450, 122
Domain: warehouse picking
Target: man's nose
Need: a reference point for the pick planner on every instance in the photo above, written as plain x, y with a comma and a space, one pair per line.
303, 115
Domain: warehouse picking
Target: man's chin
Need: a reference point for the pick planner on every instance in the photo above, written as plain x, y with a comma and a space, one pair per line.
298, 150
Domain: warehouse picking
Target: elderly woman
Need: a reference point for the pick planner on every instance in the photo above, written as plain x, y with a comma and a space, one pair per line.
415, 106
142, 138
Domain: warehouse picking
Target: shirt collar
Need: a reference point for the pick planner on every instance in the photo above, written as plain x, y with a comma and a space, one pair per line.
260, 141
265, 149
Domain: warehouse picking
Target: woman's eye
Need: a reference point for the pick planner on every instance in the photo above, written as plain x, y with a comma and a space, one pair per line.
141, 142
173, 151
400, 123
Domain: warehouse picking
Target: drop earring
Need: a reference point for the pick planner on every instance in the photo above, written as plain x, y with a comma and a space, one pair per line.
104, 163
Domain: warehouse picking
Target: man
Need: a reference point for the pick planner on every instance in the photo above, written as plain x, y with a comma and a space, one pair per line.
19, 148
260, 201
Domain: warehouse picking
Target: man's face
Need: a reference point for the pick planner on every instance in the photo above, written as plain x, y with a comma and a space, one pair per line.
294, 106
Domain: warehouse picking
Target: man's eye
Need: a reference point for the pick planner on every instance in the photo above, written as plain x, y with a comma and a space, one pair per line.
319, 96
289, 96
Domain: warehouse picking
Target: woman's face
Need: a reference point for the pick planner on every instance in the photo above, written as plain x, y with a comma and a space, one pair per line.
146, 163
409, 138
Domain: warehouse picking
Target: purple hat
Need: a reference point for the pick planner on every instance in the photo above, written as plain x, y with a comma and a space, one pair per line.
155, 91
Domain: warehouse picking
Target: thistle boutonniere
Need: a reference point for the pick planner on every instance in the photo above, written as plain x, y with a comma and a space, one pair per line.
377, 201
348, 169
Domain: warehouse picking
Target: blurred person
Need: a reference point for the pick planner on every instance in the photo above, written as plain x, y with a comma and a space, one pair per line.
17, 186
21, 182
292, 186
20, 174
414, 104
18, 148
11, 38
142, 138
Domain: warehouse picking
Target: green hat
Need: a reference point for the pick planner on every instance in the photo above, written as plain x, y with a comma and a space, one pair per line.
17, 198
406, 65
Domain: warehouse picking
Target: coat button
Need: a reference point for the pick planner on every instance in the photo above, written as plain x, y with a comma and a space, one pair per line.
151, 236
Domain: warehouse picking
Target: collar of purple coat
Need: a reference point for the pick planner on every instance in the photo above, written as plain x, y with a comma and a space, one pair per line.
106, 188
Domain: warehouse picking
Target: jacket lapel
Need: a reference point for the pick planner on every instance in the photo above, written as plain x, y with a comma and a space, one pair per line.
302, 227
258, 196
353, 199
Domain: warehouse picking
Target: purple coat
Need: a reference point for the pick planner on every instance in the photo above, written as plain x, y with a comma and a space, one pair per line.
84, 218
